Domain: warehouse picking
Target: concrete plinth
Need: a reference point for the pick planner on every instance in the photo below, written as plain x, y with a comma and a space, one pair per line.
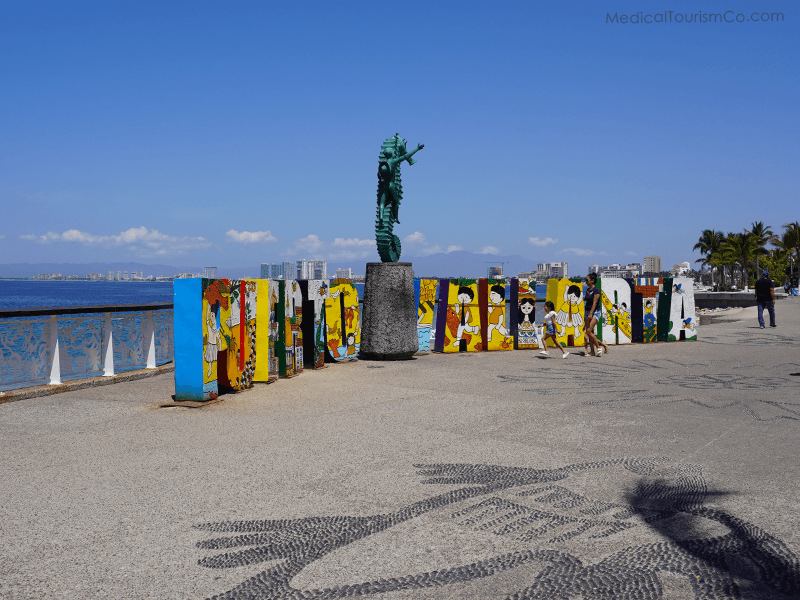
389, 324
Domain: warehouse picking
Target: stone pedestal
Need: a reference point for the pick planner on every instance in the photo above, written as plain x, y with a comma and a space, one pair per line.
389, 322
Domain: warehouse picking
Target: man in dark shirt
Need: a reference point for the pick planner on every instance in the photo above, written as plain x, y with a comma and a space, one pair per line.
765, 297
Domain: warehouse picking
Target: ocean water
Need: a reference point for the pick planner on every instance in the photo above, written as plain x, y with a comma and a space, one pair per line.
42, 294
25, 355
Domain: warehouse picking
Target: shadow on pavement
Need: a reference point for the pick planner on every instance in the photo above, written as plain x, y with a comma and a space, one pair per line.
746, 561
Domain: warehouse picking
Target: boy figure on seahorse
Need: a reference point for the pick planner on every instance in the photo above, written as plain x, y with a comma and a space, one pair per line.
390, 194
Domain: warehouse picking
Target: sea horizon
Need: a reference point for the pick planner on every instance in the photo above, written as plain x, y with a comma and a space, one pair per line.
32, 293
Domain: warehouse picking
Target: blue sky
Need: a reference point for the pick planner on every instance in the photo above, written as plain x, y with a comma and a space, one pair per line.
204, 133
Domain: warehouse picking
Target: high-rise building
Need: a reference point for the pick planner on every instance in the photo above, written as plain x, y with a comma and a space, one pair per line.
312, 269
320, 269
652, 264
344, 273
210, 272
277, 270
618, 270
302, 269
494, 271
268, 271
554, 269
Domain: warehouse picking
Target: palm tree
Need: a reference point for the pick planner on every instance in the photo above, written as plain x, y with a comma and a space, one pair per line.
789, 242
708, 244
740, 249
762, 235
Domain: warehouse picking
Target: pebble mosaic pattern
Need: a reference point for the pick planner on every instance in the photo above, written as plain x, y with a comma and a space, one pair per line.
543, 517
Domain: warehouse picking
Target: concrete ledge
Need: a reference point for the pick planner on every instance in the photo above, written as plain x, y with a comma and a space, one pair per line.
49, 390
724, 299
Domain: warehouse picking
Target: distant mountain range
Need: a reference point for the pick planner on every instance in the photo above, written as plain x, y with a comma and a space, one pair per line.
451, 264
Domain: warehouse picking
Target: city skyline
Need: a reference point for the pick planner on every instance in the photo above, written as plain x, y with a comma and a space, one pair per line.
321, 269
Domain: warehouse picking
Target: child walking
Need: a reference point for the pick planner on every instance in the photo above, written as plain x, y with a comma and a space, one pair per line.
550, 330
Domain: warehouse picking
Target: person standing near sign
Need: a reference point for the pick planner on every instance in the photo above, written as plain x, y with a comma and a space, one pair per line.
592, 308
765, 297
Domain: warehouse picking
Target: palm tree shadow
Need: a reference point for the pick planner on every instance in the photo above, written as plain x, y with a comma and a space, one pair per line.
757, 564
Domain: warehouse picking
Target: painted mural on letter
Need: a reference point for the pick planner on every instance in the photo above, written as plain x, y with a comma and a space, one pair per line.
236, 364
682, 316
426, 310
291, 356
266, 331
567, 297
649, 288
526, 330
215, 299
495, 328
342, 321
462, 331
615, 296
315, 291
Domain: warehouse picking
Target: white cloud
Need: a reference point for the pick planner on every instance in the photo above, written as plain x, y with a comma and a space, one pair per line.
250, 237
489, 250
70, 235
309, 243
417, 243
341, 248
352, 248
415, 238
358, 254
582, 252
140, 239
352, 243
430, 249
541, 242
454, 248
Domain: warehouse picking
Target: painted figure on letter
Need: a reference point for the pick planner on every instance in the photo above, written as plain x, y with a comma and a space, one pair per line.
497, 335
212, 343
649, 321
466, 325
526, 328
569, 314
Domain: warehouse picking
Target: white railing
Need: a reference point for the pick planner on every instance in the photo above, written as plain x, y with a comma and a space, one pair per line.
53, 345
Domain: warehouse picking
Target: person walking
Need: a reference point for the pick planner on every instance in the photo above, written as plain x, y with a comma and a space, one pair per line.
592, 308
549, 322
765, 297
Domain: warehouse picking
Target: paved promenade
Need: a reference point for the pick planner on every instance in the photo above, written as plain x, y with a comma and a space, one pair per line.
659, 471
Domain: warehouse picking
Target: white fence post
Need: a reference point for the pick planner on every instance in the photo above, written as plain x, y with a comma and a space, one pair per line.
149, 339
55, 351
108, 346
